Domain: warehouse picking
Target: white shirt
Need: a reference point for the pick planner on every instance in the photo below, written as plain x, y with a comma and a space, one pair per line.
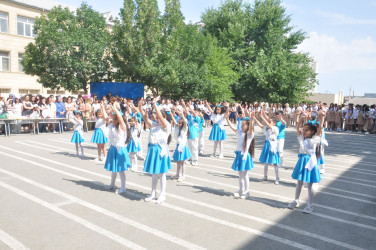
240, 140
157, 133
100, 123
117, 137
308, 145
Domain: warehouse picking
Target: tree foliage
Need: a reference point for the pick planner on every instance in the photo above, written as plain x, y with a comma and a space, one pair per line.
263, 44
172, 58
71, 49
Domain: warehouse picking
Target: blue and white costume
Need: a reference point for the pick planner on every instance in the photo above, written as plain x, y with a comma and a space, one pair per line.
306, 169
117, 156
269, 154
134, 144
158, 157
243, 160
182, 151
193, 126
99, 136
78, 135
218, 132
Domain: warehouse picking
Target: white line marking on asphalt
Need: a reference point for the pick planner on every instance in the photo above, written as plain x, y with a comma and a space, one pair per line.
77, 219
11, 241
247, 216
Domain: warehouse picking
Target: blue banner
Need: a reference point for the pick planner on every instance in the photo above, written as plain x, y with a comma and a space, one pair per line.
122, 89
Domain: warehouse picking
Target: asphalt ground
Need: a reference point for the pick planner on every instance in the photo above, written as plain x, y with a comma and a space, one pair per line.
50, 199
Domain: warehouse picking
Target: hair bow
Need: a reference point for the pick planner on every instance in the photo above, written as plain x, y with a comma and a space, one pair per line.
246, 118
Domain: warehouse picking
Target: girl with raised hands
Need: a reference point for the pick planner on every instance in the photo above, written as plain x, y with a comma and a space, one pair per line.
269, 154
134, 146
99, 137
78, 135
306, 169
218, 133
117, 160
182, 152
243, 155
157, 161
193, 121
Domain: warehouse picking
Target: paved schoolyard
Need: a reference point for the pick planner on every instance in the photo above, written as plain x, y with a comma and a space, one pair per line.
52, 200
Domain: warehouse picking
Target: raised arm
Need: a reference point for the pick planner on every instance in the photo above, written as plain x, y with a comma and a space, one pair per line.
158, 113
208, 106
227, 105
119, 116
263, 118
257, 121
143, 113
185, 109
322, 115
230, 124
192, 110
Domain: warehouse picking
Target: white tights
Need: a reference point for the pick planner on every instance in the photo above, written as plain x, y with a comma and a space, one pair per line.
275, 170
133, 158
243, 182
122, 179
182, 167
154, 183
216, 143
82, 149
298, 190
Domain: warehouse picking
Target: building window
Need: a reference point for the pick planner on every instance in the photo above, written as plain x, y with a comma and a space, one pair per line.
25, 26
28, 91
20, 66
3, 22
4, 61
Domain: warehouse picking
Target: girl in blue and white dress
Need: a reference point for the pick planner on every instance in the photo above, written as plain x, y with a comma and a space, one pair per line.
269, 154
117, 160
243, 155
218, 133
134, 145
157, 162
99, 137
182, 152
306, 169
78, 135
193, 121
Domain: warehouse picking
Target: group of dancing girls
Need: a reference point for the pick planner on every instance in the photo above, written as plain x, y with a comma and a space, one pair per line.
124, 139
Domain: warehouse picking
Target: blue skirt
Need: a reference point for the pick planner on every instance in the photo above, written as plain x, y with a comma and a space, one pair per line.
217, 134
132, 147
240, 164
267, 156
321, 161
117, 161
76, 138
98, 137
302, 174
206, 117
154, 163
182, 156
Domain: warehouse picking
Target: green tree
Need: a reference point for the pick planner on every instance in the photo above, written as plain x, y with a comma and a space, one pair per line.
137, 43
71, 49
263, 44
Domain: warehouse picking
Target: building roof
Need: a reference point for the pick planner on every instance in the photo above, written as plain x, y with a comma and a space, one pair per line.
42, 4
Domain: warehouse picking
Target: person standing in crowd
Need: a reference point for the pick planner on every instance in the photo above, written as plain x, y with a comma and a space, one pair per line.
117, 160
99, 137
243, 155
269, 154
157, 162
78, 135
193, 125
218, 133
281, 125
60, 111
306, 169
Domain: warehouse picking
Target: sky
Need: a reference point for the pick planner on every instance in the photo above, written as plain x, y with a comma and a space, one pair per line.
341, 37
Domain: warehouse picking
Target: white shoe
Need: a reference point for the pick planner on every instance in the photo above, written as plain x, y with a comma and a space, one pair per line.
82, 156
181, 179
212, 155
220, 156
276, 182
366, 133
201, 154
161, 199
150, 198
308, 210
264, 179
102, 159
244, 196
236, 195
97, 159
194, 163
322, 171
120, 191
109, 187
293, 204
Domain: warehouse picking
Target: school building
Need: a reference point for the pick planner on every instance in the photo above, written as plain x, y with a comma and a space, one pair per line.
16, 31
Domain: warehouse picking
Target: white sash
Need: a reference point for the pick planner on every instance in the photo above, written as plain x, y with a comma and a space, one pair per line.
193, 122
218, 119
312, 161
272, 138
162, 141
